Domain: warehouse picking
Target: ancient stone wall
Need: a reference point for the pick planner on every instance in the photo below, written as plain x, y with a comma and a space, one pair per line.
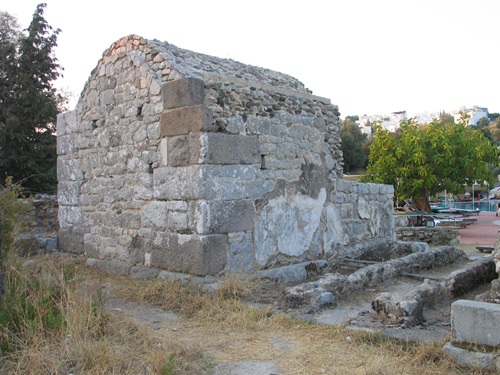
433, 236
190, 163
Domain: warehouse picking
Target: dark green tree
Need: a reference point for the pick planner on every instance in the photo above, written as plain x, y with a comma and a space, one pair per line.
353, 145
483, 122
446, 118
29, 103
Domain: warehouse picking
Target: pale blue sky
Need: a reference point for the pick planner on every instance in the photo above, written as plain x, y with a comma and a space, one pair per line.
369, 57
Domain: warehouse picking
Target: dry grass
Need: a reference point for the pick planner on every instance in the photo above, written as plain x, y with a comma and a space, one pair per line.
222, 328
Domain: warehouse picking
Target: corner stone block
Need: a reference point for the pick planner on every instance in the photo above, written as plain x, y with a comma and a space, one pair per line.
69, 169
185, 149
183, 93
185, 183
232, 149
181, 121
192, 254
225, 216
71, 241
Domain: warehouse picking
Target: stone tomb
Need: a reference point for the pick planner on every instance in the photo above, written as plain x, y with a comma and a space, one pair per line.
173, 160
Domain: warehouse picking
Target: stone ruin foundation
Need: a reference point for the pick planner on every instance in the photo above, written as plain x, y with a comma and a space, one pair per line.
182, 162
174, 163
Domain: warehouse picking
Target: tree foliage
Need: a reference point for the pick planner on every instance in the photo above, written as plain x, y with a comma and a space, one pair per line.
29, 104
423, 161
353, 145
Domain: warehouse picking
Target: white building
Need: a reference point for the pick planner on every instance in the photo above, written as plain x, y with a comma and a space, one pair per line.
476, 114
390, 122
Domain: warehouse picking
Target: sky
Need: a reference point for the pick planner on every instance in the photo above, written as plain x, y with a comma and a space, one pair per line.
366, 56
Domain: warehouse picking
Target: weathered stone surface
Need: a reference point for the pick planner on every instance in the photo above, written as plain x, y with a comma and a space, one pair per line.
144, 273
225, 216
174, 145
231, 149
183, 93
71, 240
193, 254
190, 182
286, 225
309, 293
471, 359
476, 322
181, 121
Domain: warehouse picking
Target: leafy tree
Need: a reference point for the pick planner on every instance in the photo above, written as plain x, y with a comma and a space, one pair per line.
423, 161
446, 118
353, 141
493, 116
29, 104
483, 122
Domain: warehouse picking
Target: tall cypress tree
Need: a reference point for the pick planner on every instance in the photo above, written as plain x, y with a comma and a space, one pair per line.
29, 104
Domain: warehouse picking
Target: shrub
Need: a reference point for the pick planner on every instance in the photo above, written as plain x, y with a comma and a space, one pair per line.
14, 217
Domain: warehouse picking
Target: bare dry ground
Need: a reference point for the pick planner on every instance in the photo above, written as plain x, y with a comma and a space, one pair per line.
115, 325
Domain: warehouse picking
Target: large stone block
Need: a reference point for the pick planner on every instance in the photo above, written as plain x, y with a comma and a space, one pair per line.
193, 254
180, 121
185, 150
68, 192
183, 92
67, 123
69, 169
476, 322
185, 183
232, 149
222, 216
71, 240
66, 144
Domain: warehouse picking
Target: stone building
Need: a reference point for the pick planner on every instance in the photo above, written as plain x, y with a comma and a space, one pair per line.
190, 163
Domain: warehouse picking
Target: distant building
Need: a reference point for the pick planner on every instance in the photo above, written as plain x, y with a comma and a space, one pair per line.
476, 114
426, 117
389, 122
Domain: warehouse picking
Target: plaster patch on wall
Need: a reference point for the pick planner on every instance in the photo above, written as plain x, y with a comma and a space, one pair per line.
286, 225
335, 234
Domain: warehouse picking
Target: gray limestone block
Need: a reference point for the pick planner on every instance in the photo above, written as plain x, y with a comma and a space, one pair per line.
232, 149
185, 149
71, 240
476, 322
286, 274
239, 172
69, 216
178, 151
183, 278
181, 121
69, 169
66, 144
241, 258
68, 192
192, 254
227, 216
67, 123
472, 359
113, 266
154, 215
185, 183
144, 273
183, 92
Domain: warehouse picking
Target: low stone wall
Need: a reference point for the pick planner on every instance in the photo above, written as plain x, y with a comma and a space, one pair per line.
41, 235
433, 236
45, 214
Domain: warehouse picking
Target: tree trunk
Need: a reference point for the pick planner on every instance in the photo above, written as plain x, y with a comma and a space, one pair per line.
422, 204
